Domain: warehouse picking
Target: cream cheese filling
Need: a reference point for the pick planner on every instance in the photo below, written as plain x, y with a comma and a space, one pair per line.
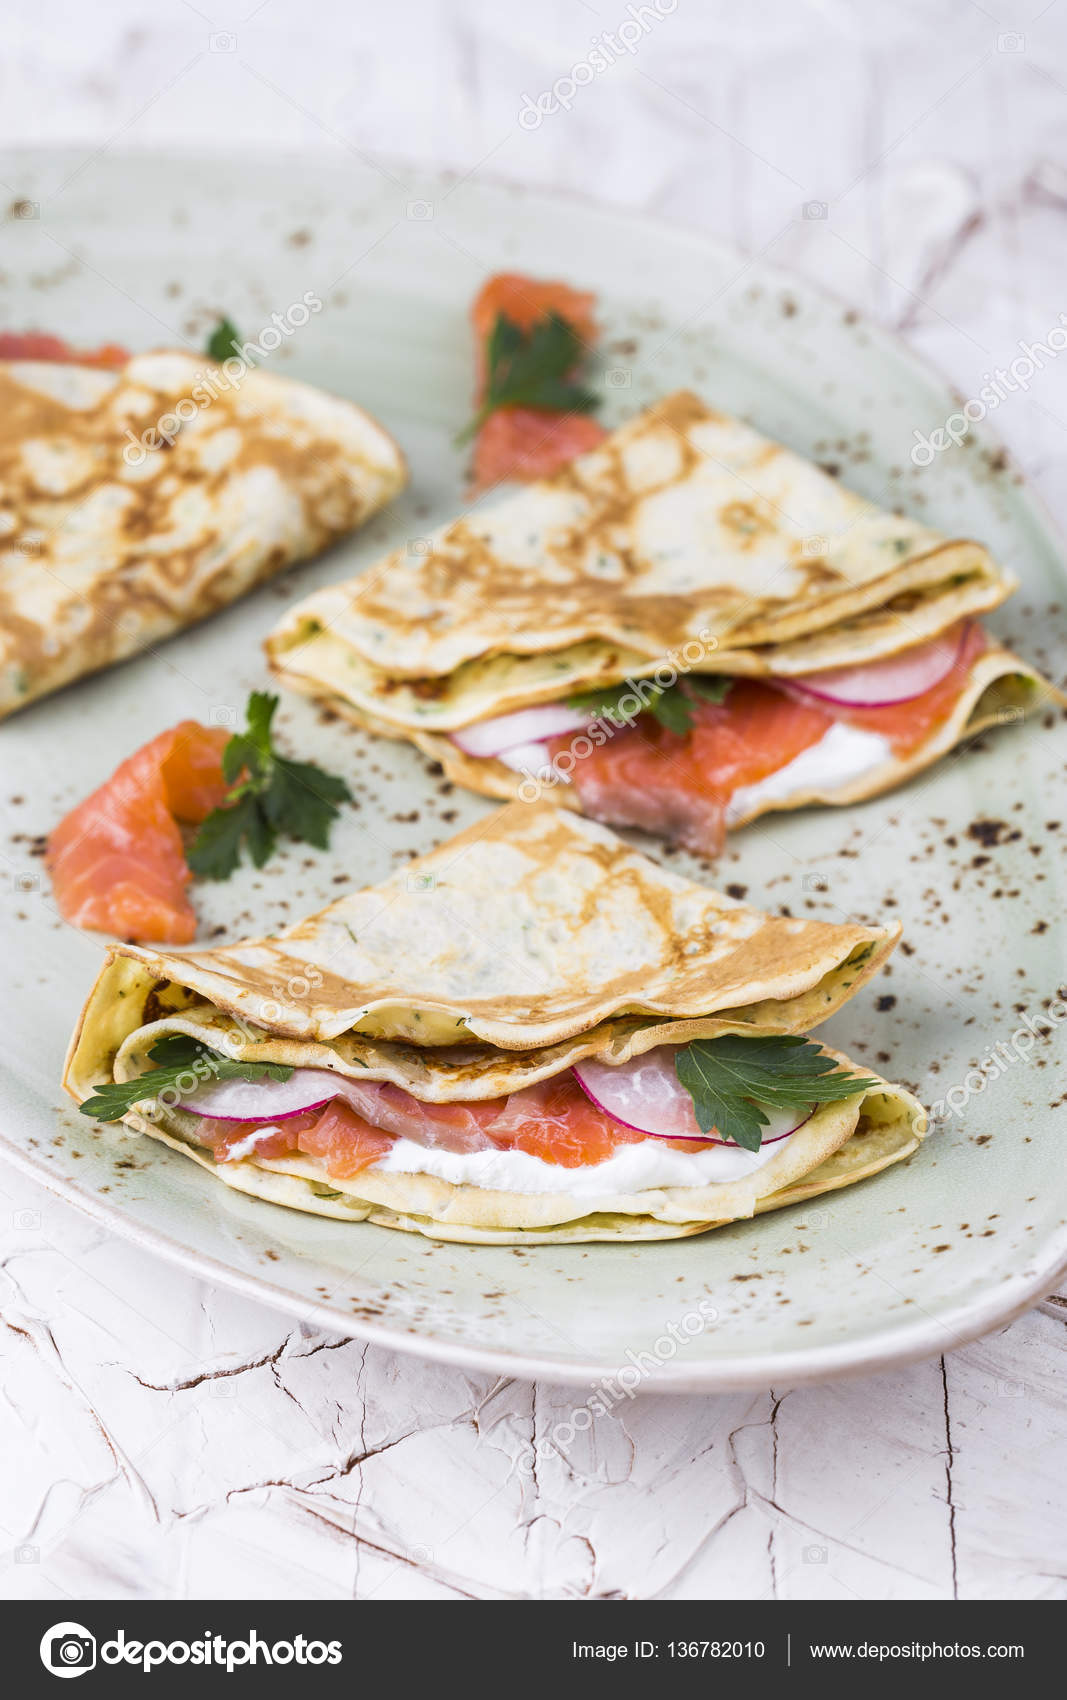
842, 755
630, 1168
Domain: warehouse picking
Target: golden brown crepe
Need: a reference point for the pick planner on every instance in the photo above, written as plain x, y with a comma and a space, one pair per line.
108, 545
686, 541
526, 944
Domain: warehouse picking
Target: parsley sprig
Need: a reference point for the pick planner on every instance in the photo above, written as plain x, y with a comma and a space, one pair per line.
177, 1054
276, 796
224, 341
734, 1080
672, 705
533, 368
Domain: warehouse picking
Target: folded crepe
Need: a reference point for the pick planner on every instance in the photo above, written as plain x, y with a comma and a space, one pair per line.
455, 1035
842, 641
133, 502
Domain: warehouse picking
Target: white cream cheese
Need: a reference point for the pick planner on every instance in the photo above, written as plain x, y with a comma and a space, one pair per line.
843, 754
630, 1168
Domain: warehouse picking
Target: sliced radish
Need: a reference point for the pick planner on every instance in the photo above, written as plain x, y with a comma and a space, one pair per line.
646, 1095
245, 1100
525, 726
455, 1126
898, 678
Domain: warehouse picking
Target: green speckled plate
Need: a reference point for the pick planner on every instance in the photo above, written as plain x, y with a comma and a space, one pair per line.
147, 251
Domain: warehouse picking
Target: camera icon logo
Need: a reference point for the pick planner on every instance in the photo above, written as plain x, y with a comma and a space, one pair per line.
420, 210
618, 378
223, 42
27, 209
68, 1649
816, 209
1011, 42
815, 1555
420, 882
221, 714
419, 546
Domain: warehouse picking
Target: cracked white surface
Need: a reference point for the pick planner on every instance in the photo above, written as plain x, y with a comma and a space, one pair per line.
159, 1438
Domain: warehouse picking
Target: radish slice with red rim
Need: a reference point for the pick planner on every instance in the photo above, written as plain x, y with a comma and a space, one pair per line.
879, 684
245, 1100
645, 1094
525, 726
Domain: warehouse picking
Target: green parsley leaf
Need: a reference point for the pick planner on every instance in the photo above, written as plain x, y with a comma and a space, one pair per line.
224, 341
671, 705
533, 369
673, 709
276, 798
177, 1055
734, 1080
304, 793
713, 687
620, 704
216, 850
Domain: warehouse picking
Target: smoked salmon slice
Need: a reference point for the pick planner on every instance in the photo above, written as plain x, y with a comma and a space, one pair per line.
553, 1120
117, 860
336, 1133
36, 345
344, 1139
528, 442
523, 443
680, 784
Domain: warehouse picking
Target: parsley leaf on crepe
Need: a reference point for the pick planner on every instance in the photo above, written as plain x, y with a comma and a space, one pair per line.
177, 1055
223, 341
276, 797
533, 368
734, 1080
671, 705
713, 687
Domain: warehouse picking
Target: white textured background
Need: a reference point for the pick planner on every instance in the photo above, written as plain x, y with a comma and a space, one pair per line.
186, 1442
